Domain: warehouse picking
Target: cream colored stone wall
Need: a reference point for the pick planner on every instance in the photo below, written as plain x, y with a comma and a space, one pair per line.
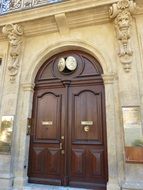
95, 35
134, 172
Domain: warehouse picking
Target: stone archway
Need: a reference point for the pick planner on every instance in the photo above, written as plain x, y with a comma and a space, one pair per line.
68, 137
27, 94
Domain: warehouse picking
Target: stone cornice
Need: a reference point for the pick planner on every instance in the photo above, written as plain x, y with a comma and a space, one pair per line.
46, 19
50, 10
139, 8
75, 14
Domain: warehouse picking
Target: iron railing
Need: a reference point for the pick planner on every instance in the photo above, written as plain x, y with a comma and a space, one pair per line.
7, 6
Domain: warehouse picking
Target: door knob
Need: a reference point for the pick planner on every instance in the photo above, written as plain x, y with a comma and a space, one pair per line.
86, 128
86, 125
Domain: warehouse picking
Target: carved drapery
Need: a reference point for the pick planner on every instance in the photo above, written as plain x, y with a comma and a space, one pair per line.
14, 34
122, 14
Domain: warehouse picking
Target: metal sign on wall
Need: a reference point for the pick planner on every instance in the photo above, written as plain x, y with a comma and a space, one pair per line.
6, 130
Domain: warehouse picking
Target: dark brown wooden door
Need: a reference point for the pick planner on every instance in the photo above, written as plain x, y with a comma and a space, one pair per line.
68, 137
46, 160
87, 152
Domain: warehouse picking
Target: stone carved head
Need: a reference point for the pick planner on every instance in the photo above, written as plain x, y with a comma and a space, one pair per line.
123, 20
14, 33
14, 39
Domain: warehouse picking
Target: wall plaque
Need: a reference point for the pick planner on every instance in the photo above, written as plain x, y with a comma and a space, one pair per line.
133, 133
132, 125
6, 129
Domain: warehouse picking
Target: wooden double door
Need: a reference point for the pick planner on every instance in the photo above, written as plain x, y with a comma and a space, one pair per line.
68, 137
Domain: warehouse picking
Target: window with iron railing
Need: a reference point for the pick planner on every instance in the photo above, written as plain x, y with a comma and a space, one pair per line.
7, 6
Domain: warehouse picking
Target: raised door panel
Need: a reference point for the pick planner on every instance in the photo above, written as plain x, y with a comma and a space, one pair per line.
48, 117
78, 162
87, 163
96, 163
38, 160
87, 106
46, 161
53, 157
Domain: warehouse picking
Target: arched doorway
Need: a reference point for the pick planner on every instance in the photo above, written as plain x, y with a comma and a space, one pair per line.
68, 138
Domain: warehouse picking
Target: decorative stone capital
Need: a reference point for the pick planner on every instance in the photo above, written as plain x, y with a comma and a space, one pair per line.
28, 87
109, 78
121, 13
14, 34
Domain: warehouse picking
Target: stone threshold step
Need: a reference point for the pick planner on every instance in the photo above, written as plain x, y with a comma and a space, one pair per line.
47, 187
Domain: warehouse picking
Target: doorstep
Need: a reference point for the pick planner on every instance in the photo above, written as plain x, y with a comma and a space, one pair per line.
48, 187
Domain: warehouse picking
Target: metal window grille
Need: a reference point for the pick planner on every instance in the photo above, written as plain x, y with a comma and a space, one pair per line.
7, 6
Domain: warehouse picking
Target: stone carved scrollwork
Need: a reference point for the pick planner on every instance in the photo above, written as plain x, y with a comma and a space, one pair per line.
14, 33
121, 12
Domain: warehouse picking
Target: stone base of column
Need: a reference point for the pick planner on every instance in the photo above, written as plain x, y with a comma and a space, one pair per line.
19, 183
6, 181
113, 186
132, 185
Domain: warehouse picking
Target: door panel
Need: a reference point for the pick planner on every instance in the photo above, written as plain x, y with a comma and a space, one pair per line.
38, 161
87, 107
88, 148
53, 155
46, 161
96, 158
78, 162
49, 106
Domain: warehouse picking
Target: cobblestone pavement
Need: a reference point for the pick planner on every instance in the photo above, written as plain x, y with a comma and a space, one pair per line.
48, 187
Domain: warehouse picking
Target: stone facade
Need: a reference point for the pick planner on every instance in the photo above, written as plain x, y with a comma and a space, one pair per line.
71, 25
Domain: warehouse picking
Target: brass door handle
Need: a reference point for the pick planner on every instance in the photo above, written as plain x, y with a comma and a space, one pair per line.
61, 146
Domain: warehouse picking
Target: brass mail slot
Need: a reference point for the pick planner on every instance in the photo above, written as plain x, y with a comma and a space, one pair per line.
86, 122
47, 122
